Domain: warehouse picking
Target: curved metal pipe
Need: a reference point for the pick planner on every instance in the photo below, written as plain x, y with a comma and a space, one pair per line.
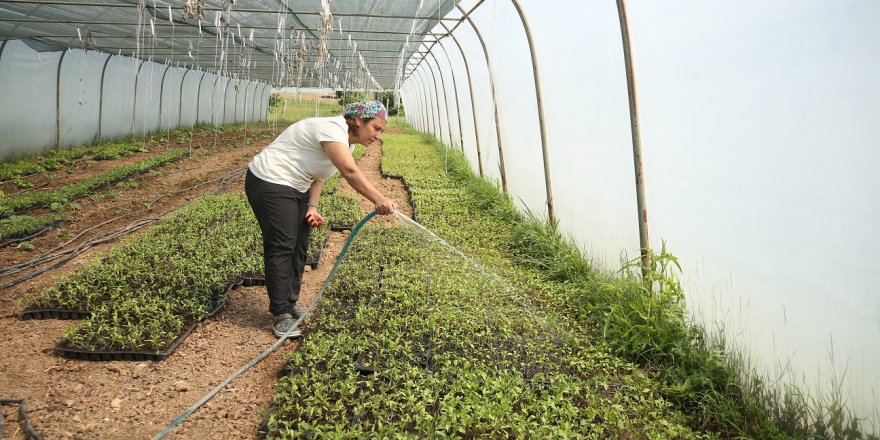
467, 69
539, 96
58, 101
457, 105
161, 92
502, 167
137, 77
214, 99
101, 100
199, 98
410, 107
429, 110
445, 99
436, 101
225, 97
641, 201
180, 99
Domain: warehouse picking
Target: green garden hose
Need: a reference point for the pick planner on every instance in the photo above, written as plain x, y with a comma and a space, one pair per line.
277, 343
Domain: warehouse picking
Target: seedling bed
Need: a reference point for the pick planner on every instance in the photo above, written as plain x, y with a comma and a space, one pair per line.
33, 200
134, 355
16, 238
436, 349
313, 260
145, 292
72, 353
342, 211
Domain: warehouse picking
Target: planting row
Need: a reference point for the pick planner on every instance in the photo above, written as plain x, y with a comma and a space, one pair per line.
641, 320
413, 340
143, 294
18, 170
44, 199
56, 159
17, 228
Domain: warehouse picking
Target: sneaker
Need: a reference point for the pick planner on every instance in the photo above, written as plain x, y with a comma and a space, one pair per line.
297, 312
283, 325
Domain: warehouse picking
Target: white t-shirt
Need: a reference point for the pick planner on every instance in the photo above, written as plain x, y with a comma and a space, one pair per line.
296, 158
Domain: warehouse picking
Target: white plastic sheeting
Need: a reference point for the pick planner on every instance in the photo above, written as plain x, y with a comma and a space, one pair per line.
80, 93
94, 97
758, 149
117, 112
189, 97
250, 42
28, 84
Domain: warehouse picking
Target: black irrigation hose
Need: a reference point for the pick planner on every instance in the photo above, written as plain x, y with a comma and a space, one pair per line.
29, 431
43, 230
225, 182
306, 313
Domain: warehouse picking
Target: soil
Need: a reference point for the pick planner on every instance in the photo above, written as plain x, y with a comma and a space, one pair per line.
76, 399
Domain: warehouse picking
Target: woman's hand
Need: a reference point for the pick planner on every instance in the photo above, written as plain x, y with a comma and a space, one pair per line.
385, 206
313, 218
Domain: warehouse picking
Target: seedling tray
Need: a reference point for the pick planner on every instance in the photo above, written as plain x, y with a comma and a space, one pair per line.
121, 355
89, 355
314, 263
54, 314
253, 279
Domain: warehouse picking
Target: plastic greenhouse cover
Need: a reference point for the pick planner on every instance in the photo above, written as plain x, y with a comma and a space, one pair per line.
28, 81
757, 140
250, 33
757, 130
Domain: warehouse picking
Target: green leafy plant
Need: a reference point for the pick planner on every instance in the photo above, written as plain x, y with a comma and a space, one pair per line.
59, 199
143, 289
24, 225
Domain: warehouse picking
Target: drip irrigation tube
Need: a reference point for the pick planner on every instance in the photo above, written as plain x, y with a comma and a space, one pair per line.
277, 343
29, 431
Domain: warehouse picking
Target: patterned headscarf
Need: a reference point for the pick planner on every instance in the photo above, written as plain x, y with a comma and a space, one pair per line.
366, 109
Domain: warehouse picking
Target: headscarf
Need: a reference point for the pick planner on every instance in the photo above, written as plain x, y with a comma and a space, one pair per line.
366, 109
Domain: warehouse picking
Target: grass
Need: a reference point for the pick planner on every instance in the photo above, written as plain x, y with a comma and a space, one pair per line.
290, 110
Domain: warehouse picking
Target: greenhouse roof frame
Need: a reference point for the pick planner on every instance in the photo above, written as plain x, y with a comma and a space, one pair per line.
368, 47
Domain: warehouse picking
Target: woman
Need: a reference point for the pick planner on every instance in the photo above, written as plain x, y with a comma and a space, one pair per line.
283, 186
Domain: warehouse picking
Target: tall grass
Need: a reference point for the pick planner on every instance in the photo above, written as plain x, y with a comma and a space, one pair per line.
290, 110
645, 321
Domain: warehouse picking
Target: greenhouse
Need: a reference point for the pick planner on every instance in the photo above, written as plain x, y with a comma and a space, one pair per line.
615, 219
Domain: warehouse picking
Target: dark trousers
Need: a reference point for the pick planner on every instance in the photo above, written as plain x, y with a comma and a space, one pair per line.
280, 211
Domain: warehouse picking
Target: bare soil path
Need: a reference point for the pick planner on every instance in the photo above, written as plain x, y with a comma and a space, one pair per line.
74, 399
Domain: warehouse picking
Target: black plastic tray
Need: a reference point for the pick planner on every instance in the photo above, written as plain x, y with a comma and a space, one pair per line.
314, 263
54, 314
119, 355
93, 355
253, 280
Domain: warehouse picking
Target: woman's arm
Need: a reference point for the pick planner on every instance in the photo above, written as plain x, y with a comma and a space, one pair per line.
340, 156
315, 192
312, 216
